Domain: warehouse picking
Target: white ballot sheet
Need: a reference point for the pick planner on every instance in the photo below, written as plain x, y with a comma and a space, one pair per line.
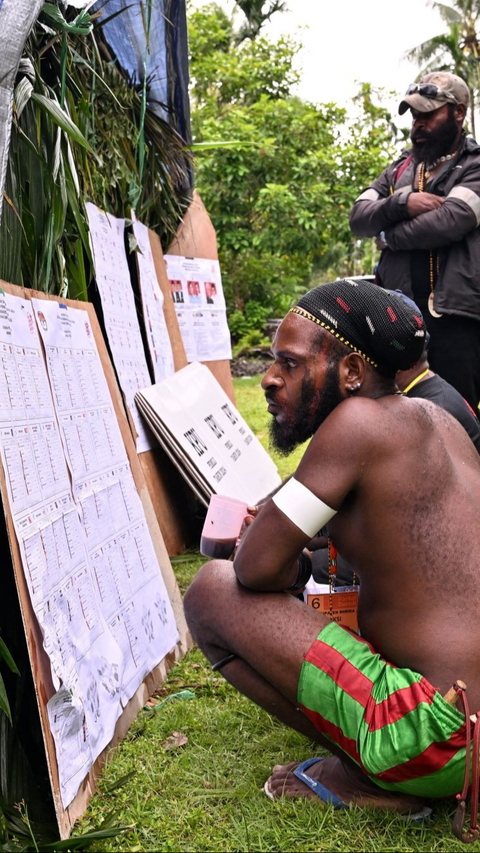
119, 312
197, 293
63, 521
211, 433
157, 335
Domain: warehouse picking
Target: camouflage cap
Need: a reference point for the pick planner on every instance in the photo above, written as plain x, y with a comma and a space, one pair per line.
434, 91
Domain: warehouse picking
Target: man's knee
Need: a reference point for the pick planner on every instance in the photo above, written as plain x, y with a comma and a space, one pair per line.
203, 593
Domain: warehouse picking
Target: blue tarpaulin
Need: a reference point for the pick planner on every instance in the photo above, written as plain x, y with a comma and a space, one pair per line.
151, 36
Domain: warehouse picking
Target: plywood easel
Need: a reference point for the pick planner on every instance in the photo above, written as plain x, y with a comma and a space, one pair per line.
39, 661
196, 238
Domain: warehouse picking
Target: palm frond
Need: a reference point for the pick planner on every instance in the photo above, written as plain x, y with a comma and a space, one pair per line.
81, 131
449, 14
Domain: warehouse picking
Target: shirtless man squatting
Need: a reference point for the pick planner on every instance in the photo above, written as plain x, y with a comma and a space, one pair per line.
397, 481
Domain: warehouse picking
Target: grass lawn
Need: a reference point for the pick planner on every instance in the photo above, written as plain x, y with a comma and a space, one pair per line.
207, 794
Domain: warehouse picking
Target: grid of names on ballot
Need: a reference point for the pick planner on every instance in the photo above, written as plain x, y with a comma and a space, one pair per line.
103, 631
197, 293
119, 312
157, 335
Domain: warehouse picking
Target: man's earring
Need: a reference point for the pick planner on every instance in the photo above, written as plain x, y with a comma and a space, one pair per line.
355, 388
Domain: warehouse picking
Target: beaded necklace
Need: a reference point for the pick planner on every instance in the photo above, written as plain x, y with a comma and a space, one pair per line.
422, 177
436, 162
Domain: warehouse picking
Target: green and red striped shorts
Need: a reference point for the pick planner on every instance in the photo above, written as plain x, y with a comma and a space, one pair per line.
390, 721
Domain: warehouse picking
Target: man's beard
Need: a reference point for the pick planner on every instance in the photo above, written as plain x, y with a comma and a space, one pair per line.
314, 408
437, 143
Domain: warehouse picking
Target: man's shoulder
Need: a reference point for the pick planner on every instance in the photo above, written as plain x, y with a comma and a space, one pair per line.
358, 421
365, 432
406, 154
469, 157
471, 146
373, 420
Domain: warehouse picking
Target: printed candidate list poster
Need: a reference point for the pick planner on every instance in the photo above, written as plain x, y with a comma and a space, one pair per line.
119, 312
197, 293
158, 339
87, 556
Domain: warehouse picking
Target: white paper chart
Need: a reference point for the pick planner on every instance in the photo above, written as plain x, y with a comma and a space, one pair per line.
152, 303
118, 305
197, 293
212, 434
103, 629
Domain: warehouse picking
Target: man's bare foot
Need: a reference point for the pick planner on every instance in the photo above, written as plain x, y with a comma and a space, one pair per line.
344, 780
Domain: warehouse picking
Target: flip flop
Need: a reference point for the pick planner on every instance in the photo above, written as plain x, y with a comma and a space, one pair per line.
320, 790
331, 799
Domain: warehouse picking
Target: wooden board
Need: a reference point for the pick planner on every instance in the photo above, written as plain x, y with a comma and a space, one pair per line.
167, 491
39, 661
196, 238
164, 483
178, 349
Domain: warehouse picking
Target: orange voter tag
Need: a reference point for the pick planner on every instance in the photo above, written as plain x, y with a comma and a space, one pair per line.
344, 606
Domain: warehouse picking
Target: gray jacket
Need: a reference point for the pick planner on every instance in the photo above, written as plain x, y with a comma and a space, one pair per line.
452, 230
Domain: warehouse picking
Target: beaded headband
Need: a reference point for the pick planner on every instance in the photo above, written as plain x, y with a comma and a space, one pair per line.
303, 313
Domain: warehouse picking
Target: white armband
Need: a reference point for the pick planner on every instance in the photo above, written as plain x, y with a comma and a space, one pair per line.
302, 507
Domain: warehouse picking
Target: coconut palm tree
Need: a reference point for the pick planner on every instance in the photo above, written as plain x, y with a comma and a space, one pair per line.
457, 49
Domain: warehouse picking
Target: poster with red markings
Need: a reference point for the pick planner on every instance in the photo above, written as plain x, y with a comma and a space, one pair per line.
87, 556
197, 293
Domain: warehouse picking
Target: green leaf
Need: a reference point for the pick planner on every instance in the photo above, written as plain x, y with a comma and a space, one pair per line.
4, 704
228, 143
53, 17
61, 118
76, 275
26, 139
22, 95
133, 244
79, 842
7, 657
57, 154
120, 782
72, 166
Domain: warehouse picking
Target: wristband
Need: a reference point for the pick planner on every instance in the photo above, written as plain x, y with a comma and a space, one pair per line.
304, 572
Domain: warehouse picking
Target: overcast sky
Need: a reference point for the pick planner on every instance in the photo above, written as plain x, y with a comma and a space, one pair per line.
348, 40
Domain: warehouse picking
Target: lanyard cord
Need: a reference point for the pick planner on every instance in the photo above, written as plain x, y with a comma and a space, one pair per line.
332, 572
415, 381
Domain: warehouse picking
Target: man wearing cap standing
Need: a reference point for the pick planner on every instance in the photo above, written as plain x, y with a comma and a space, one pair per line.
425, 211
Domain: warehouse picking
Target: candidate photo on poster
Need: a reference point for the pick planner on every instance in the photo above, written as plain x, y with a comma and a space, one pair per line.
210, 292
177, 291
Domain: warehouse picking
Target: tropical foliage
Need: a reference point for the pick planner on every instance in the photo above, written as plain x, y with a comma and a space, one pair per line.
257, 13
80, 132
280, 185
457, 49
